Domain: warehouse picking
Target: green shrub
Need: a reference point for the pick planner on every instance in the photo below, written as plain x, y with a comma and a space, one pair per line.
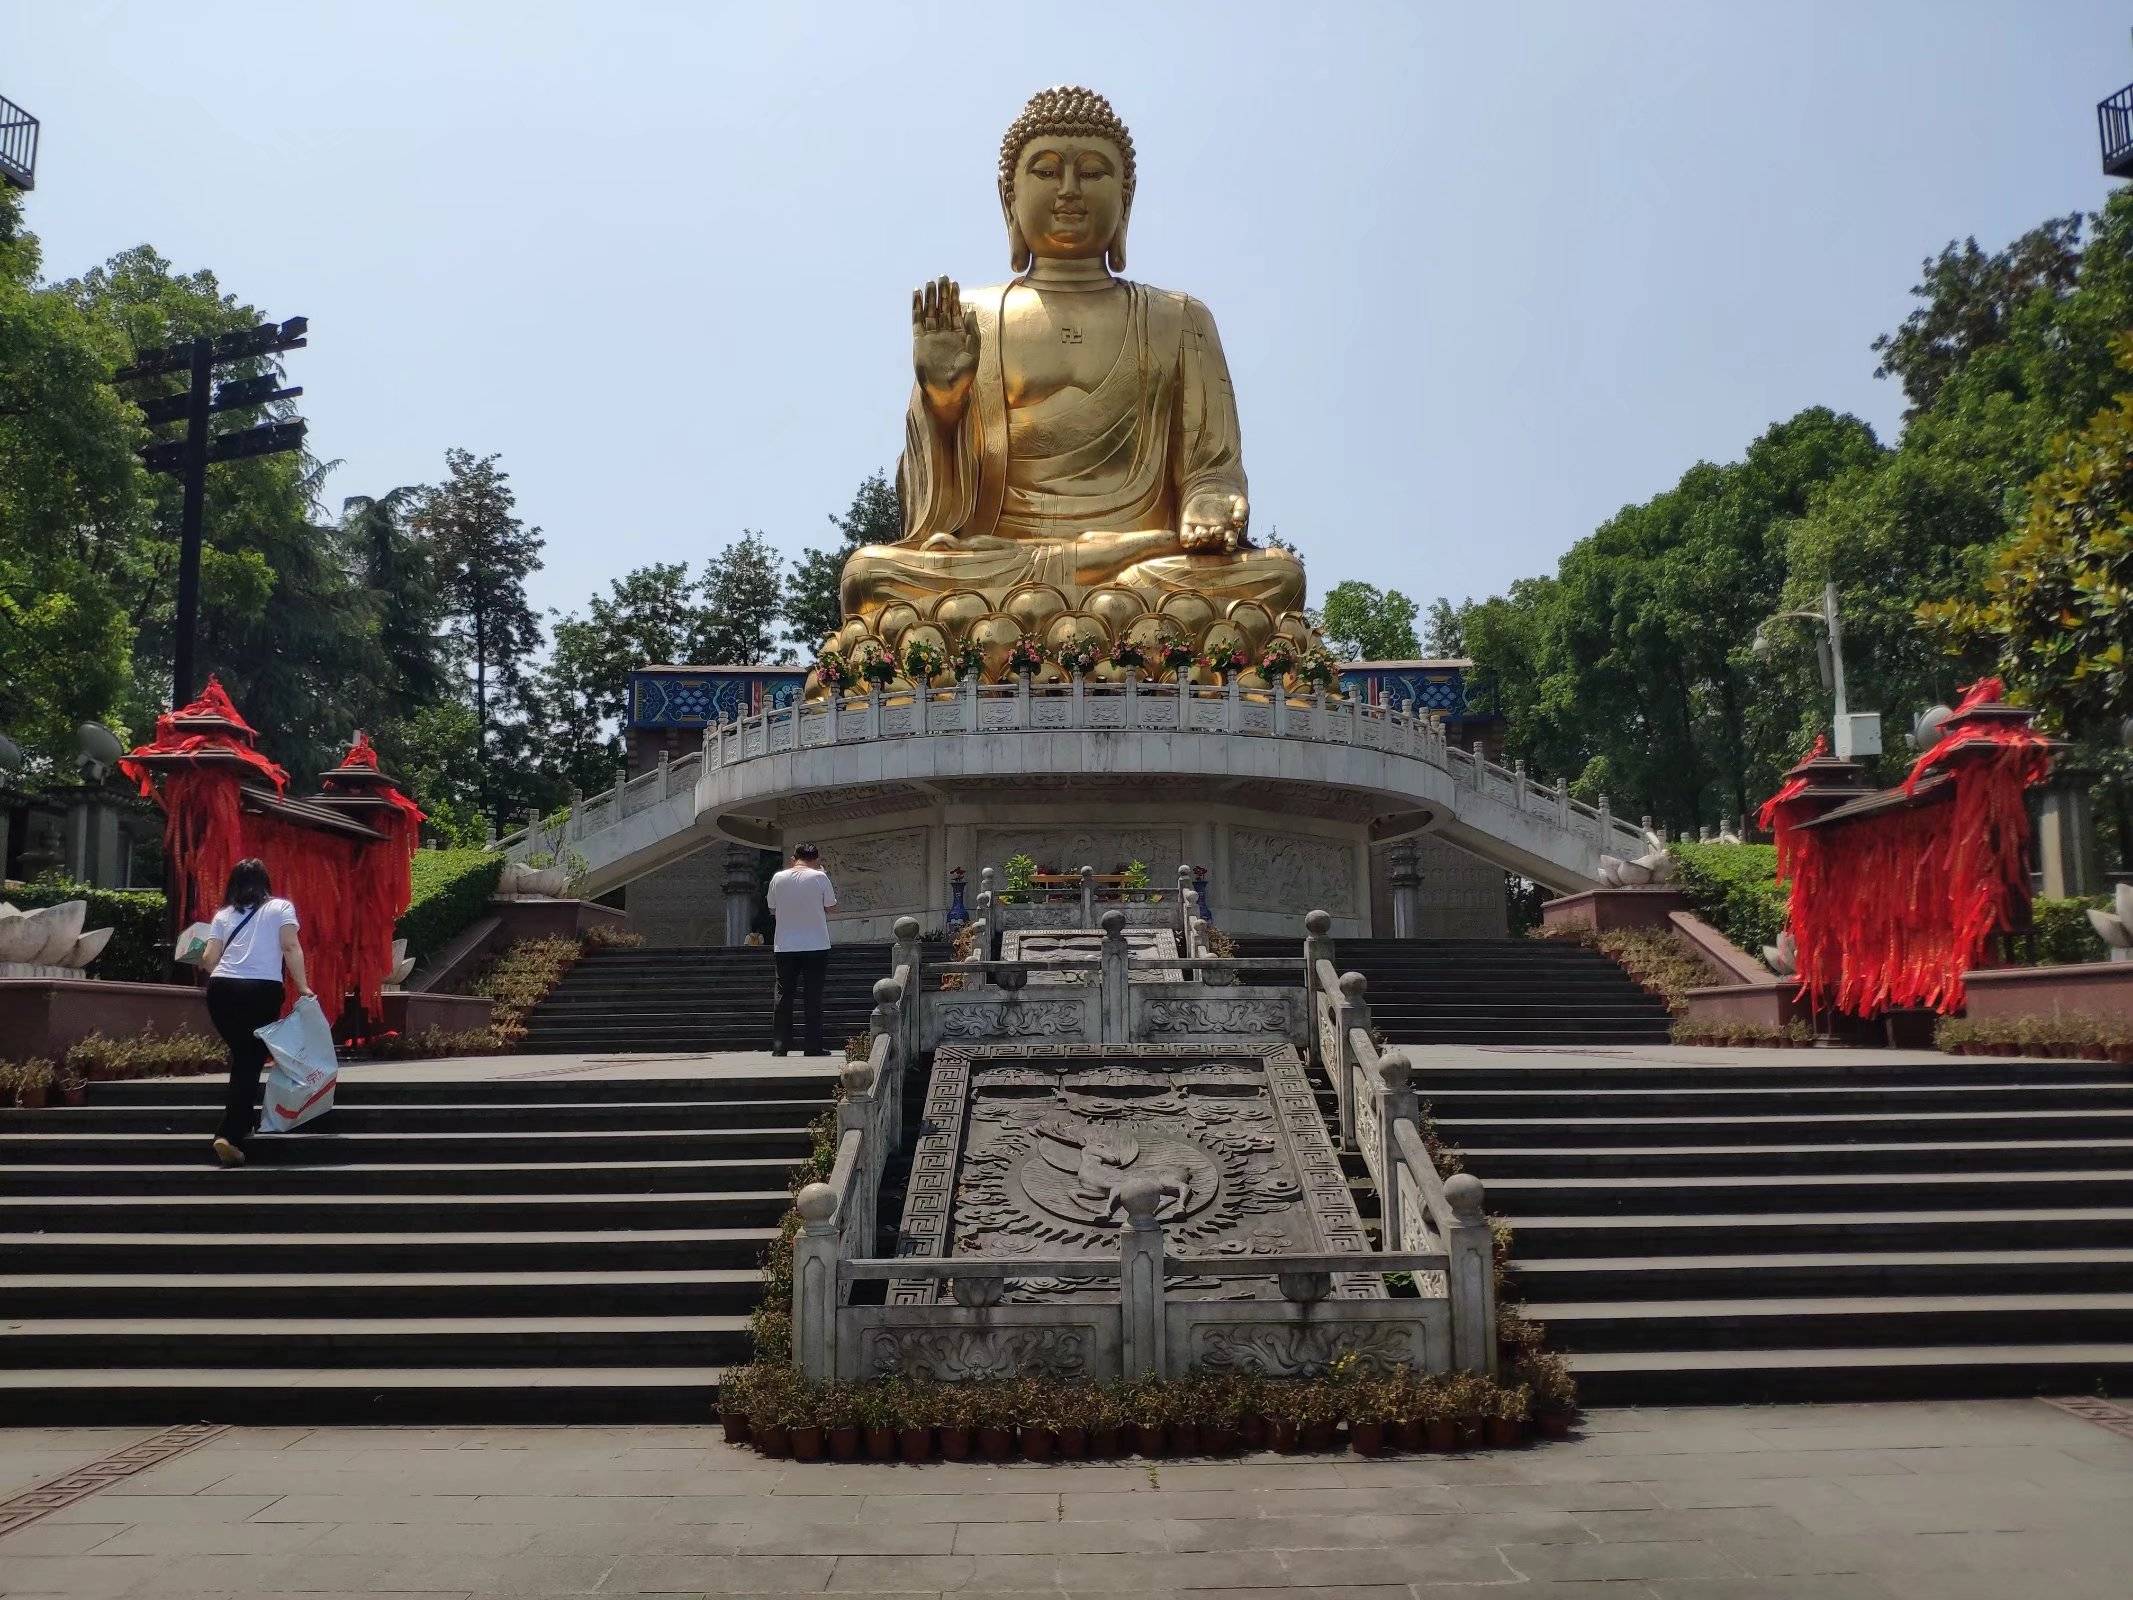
1734, 887
1662, 963
451, 889
136, 953
2063, 932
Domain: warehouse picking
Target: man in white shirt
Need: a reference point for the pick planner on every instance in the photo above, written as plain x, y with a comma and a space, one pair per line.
801, 899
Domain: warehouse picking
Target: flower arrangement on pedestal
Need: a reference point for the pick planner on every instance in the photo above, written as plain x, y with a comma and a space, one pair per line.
876, 665
1226, 664
834, 672
1129, 655
969, 659
924, 661
1079, 654
1177, 656
1317, 669
1278, 661
1025, 656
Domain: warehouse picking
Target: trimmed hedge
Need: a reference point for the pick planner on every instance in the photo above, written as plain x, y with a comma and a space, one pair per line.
2064, 936
1734, 887
451, 889
135, 916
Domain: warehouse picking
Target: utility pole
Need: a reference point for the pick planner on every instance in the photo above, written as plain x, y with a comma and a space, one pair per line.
190, 456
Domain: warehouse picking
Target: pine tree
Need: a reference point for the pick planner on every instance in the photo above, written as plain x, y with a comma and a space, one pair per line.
876, 517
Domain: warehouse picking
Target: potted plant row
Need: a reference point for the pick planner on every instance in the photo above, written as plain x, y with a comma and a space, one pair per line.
2071, 1038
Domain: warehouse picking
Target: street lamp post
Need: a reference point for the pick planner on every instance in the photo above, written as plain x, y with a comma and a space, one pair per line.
1852, 736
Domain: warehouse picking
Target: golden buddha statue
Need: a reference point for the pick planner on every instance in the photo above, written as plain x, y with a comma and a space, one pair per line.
1071, 462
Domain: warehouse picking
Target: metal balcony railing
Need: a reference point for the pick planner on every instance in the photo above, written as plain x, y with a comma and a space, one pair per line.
2114, 128
18, 145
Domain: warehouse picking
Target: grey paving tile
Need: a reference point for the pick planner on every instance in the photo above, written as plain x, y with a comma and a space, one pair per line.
1118, 1536
1041, 1507
749, 1575
208, 1538
1741, 1522
1817, 1554
868, 1539
121, 1505
1645, 1560
1398, 1565
408, 1538
1846, 1586
1553, 1497
45, 1537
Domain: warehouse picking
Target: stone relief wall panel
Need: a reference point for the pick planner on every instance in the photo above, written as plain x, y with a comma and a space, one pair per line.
1290, 872
681, 904
878, 872
1066, 848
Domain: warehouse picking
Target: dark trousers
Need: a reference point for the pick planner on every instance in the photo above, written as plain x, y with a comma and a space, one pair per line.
803, 970
237, 1006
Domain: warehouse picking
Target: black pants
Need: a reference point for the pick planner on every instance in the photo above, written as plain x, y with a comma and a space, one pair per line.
237, 1006
805, 970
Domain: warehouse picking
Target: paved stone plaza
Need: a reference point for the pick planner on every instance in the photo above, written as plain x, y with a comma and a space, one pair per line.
1970, 1501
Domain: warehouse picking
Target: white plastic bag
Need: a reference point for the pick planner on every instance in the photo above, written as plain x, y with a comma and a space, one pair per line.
301, 1082
193, 942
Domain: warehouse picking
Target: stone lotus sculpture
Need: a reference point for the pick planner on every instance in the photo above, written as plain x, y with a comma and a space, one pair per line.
48, 943
522, 882
1656, 865
2115, 926
403, 964
1783, 958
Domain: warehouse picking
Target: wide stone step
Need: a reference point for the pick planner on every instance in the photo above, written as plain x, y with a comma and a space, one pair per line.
1864, 1321
1553, 1239
623, 1249
1689, 1376
1792, 1068
561, 1179
271, 1291
1981, 1183
1598, 1134
1632, 1279
493, 1116
316, 1149
358, 1089
402, 1342
2108, 1097
327, 1394
263, 1211
1777, 1160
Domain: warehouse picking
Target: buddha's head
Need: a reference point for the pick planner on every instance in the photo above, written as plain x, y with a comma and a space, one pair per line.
1066, 179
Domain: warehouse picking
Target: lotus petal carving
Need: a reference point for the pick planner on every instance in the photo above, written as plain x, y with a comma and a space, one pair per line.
20, 939
61, 926
1658, 865
2118, 935
1783, 958
1632, 874
1611, 871
87, 948
2122, 903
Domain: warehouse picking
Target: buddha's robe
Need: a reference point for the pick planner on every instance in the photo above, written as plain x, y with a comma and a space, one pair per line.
1080, 488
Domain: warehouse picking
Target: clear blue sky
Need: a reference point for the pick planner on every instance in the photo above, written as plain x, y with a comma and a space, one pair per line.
1484, 273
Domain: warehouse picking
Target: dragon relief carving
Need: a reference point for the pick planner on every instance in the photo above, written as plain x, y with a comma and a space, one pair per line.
1243, 1018
1007, 1019
1291, 1350
956, 1355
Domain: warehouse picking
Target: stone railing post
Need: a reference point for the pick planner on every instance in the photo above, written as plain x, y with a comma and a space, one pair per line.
1396, 1103
1088, 896
921, 705
866, 1097
1318, 713
1140, 1279
1130, 717
1562, 804
817, 1250
907, 952
1022, 712
1404, 869
873, 710
1355, 718
1080, 712
1472, 1278
1115, 1001
737, 892
1354, 1013
1605, 839
970, 702
1184, 688
1185, 908
574, 818
666, 766
1518, 785
1233, 708
1281, 712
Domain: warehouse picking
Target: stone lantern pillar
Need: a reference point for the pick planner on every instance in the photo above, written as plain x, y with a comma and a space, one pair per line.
1405, 870
739, 891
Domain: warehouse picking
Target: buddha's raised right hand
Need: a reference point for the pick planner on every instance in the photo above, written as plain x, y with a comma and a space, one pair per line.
944, 347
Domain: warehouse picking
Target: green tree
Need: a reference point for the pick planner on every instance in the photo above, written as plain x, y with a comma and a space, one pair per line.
743, 598
483, 554
1365, 623
875, 516
392, 564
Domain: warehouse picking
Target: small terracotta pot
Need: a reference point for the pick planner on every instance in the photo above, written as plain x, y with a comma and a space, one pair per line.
1073, 1443
1103, 1440
772, 1438
736, 1426
955, 1443
881, 1444
1185, 1439
1218, 1439
75, 1095
995, 1444
1037, 1444
1367, 1438
2120, 1053
1555, 1424
1467, 1433
1412, 1434
1150, 1438
844, 1443
1319, 1437
1252, 1431
1440, 1433
915, 1444
33, 1099
1505, 1433
807, 1444
1283, 1436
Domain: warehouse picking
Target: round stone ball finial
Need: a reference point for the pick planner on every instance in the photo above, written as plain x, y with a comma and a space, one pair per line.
816, 1203
1318, 923
887, 991
1395, 1068
1113, 923
1354, 985
907, 927
858, 1078
1464, 1192
1140, 1196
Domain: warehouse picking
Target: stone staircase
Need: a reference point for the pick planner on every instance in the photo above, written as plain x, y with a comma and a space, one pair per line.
1796, 1229
537, 1249
712, 998
1494, 991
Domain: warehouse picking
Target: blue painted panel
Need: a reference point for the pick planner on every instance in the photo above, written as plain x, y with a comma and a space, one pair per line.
1441, 689
698, 699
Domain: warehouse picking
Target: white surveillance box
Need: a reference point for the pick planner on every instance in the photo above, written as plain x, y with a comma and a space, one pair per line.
1859, 734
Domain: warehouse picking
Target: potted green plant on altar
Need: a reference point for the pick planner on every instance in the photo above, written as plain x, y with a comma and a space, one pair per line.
1373, 1404
876, 665
1509, 1407
1105, 1407
1177, 656
923, 662
1074, 1405
734, 1394
1025, 657
837, 1412
1555, 1392
992, 1418
1034, 1403
1147, 1413
833, 670
1227, 664
920, 1409
875, 1409
1129, 655
1078, 654
1278, 661
804, 1423
959, 1404
1316, 669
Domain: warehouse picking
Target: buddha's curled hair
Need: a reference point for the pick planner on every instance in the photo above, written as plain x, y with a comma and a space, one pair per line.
1064, 109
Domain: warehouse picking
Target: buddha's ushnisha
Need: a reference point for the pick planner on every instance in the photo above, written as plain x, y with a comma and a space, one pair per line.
1071, 447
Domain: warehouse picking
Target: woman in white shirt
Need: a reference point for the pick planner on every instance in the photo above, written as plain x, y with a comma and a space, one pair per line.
250, 942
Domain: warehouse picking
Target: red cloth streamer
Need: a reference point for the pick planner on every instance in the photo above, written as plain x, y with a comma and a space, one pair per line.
1891, 909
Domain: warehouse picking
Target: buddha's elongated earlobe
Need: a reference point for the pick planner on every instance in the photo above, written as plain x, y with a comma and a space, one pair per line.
1018, 250
1115, 251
